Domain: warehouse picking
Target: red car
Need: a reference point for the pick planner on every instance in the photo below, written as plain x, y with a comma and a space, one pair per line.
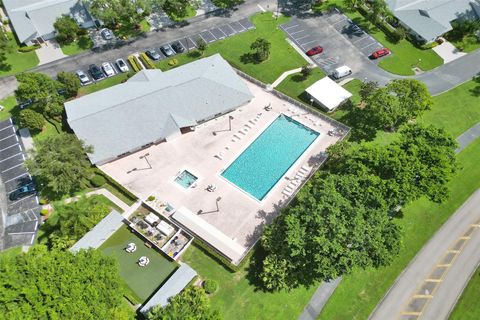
314, 51
380, 53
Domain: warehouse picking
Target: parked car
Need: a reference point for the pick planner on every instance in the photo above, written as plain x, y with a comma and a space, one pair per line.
96, 72
167, 50
24, 104
153, 54
380, 53
106, 34
84, 79
22, 192
314, 51
122, 65
341, 72
177, 46
108, 69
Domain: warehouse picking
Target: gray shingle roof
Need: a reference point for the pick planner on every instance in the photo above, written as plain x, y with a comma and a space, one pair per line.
101, 232
176, 283
431, 18
34, 18
153, 105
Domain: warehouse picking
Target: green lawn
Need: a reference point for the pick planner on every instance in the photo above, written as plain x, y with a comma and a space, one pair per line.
467, 307
294, 85
142, 280
80, 45
456, 110
236, 298
126, 31
404, 55
105, 83
8, 104
236, 50
354, 88
190, 13
17, 61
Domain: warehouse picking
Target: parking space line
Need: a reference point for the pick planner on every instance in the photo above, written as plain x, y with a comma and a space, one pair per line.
371, 44
241, 25
296, 32
30, 196
246, 28
289, 27
11, 156
8, 136
212, 36
26, 232
16, 177
339, 21
12, 145
359, 39
7, 128
12, 167
193, 42
302, 38
202, 37
309, 42
233, 30
222, 32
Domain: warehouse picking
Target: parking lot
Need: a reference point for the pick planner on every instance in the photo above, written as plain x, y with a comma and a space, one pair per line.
331, 31
21, 214
190, 42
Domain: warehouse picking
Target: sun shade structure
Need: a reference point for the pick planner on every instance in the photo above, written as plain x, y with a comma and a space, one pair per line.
34, 19
174, 285
328, 93
101, 232
430, 19
153, 106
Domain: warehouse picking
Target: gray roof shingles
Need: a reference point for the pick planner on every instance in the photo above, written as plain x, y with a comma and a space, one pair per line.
152, 105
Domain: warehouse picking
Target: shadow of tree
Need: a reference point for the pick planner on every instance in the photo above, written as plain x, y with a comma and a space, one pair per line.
298, 78
363, 126
249, 57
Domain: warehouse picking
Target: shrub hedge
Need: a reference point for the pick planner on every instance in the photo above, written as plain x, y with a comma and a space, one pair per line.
136, 66
28, 48
97, 180
146, 61
210, 286
116, 185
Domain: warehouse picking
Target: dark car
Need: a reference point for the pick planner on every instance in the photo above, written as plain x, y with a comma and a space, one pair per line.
152, 54
22, 192
314, 51
177, 46
379, 53
167, 50
24, 104
96, 72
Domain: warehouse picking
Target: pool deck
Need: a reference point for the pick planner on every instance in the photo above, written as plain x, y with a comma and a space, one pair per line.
238, 215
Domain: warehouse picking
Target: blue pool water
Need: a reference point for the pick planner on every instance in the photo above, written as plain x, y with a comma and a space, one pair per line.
185, 179
267, 159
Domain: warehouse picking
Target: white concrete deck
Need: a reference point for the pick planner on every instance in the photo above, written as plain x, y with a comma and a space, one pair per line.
238, 215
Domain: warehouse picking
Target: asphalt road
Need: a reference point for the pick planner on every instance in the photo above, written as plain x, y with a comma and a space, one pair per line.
431, 284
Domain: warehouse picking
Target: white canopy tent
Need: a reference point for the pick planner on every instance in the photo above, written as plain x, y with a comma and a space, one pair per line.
328, 93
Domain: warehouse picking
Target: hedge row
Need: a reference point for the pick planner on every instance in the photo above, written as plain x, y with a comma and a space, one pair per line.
28, 48
136, 65
395, 35
116, 185
146, 61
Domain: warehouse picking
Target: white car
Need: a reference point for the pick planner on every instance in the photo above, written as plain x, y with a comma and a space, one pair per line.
84, 79
122, 65
108, 69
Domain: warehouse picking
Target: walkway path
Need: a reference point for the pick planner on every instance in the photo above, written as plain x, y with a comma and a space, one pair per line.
468, 137
319, 299
127, 210
284, 75
431, 284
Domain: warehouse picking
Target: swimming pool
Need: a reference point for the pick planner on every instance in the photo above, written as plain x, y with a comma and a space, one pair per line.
267, 159
185, 179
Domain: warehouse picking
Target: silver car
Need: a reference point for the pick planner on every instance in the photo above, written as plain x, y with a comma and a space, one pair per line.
122, 65
167, 50
84, 79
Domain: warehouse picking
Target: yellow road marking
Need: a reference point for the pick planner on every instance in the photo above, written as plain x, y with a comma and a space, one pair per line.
422, 296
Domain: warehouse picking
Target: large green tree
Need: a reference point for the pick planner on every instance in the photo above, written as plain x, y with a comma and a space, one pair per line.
60, 165
262, 49
67, 29
73, 220
31, 119
192, 304
397, 103
42, 284
114, 12
70, 83
43, 91
334, 225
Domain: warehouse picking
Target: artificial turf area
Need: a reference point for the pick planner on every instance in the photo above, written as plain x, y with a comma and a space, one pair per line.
467, 307
236, 50
143, 281
237, 298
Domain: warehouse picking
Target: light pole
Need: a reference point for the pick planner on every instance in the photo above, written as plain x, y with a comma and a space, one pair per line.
217, 201
146, 159
311, 102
